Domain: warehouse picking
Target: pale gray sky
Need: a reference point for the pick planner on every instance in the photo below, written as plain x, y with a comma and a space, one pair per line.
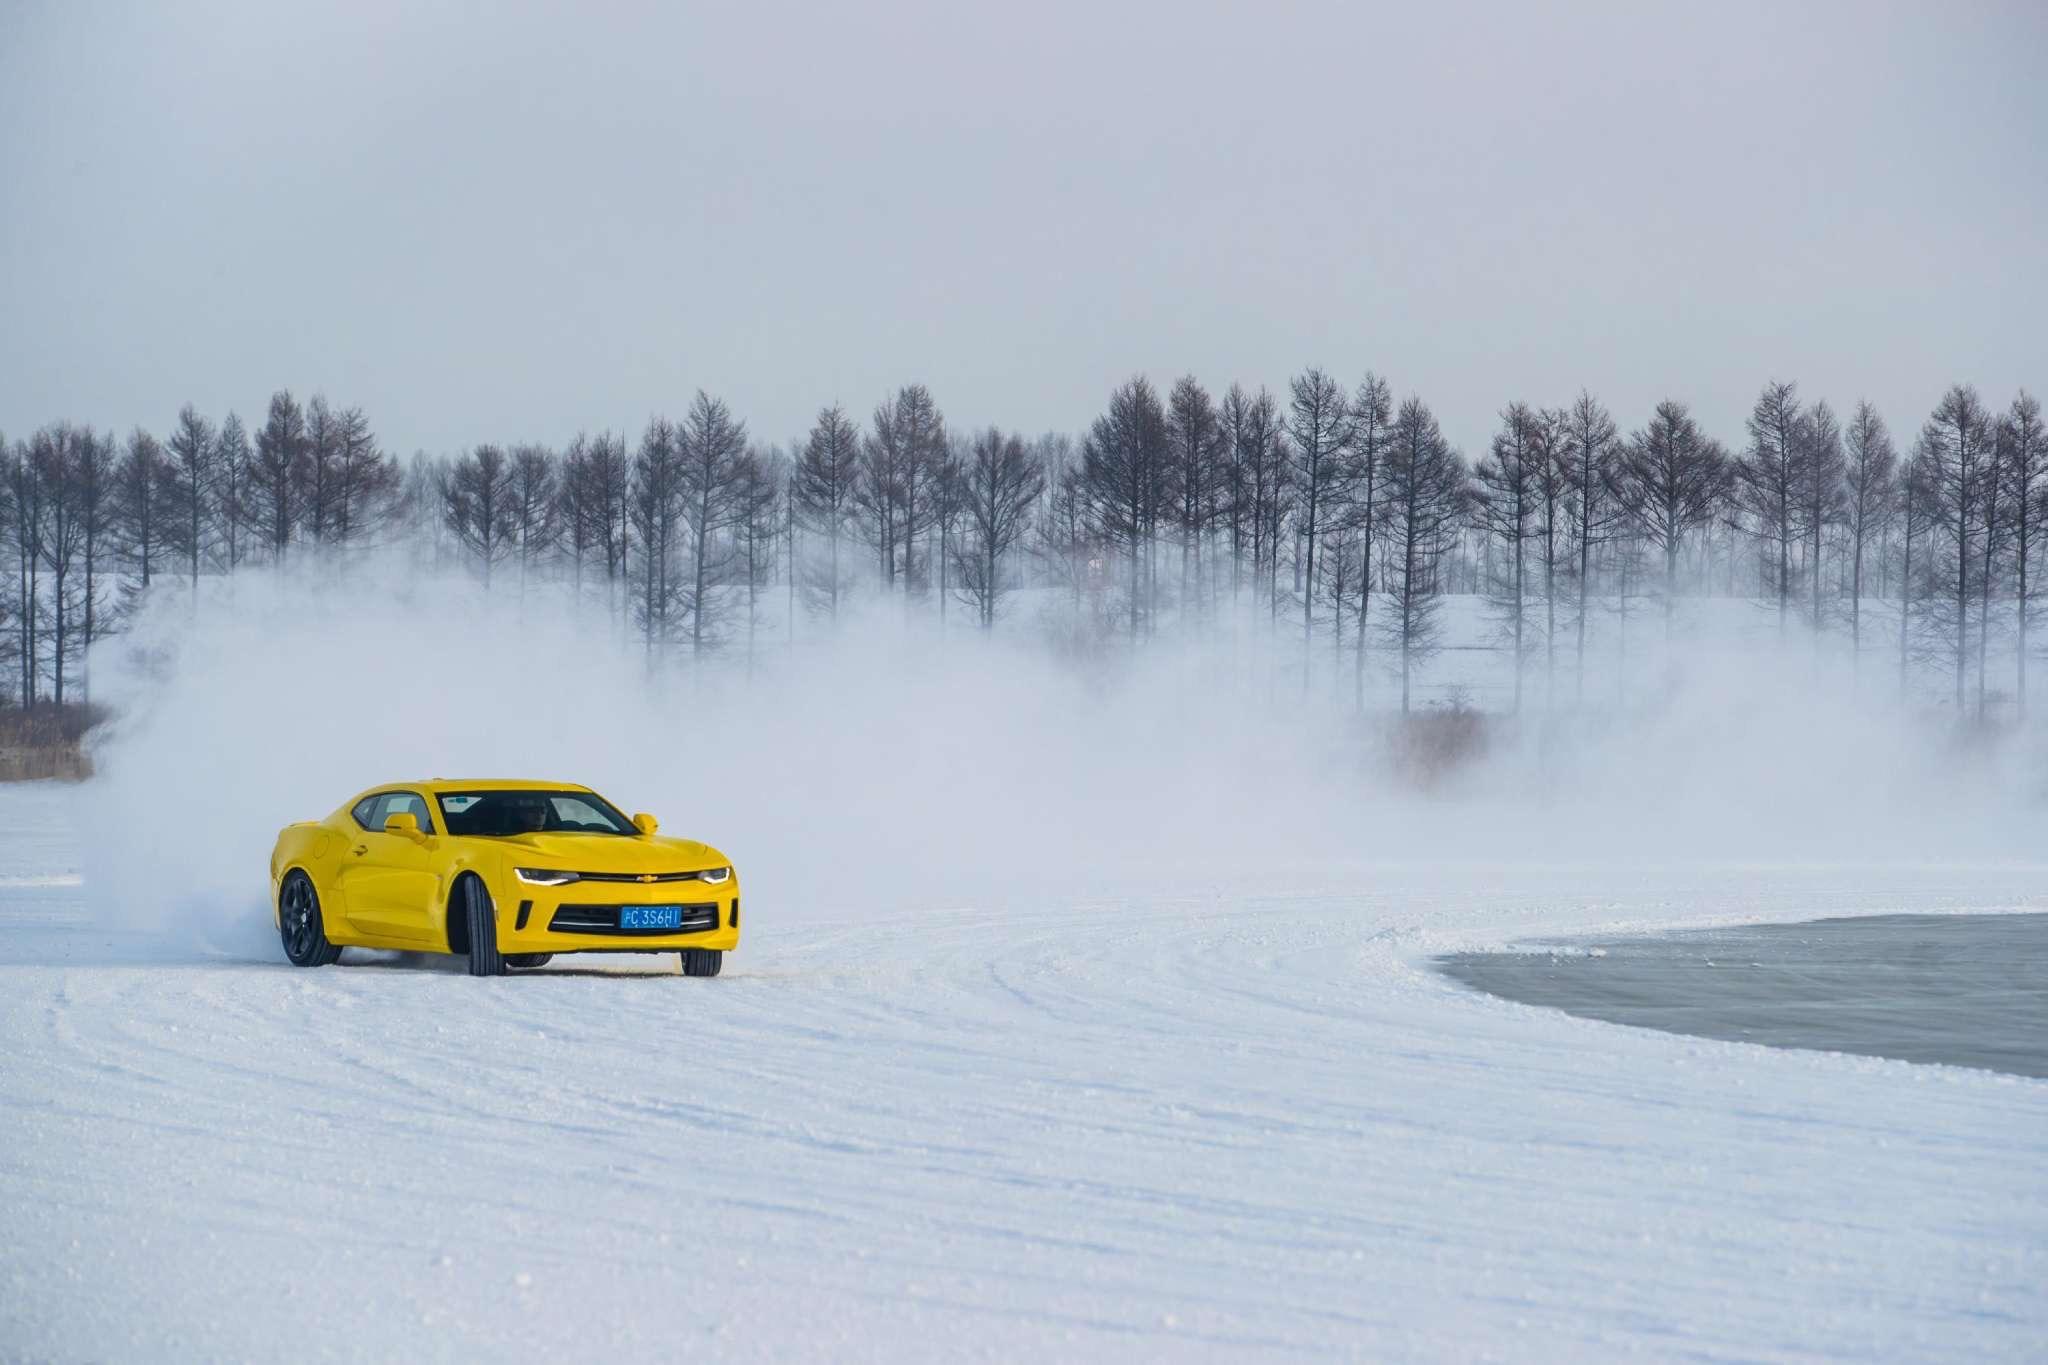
488, 222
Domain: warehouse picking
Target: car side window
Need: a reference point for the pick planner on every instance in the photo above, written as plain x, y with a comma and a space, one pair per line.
409, 803
372, 811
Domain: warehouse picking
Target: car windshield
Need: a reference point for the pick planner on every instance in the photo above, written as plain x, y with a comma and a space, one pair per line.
501, 813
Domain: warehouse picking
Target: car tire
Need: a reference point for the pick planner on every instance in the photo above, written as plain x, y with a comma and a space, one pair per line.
299, 925
528, 959
702, 961
482, 917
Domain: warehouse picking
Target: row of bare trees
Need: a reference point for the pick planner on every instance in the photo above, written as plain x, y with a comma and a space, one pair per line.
1807, 514
90, 521
1332, 505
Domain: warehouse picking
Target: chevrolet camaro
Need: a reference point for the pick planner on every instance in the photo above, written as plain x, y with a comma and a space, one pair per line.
506, 873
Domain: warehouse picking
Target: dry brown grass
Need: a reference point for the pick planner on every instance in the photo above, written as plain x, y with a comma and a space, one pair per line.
46, 742
1429, 749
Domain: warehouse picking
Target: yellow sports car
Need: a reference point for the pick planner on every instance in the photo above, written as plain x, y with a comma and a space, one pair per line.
509, 873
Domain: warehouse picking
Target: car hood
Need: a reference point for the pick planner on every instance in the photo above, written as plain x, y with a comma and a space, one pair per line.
608, 853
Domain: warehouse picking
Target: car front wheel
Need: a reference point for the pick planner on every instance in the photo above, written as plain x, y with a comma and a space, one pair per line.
702, 961
484, 957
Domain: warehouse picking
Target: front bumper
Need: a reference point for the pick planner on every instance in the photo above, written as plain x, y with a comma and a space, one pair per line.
583, 918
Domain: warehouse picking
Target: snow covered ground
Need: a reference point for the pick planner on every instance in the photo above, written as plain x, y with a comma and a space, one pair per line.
1185, 1118
1085, 1012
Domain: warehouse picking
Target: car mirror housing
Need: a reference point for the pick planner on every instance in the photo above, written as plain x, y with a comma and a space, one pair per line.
646, 823
404, 824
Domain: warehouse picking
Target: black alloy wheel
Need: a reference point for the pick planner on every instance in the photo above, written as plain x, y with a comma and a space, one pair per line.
299, 924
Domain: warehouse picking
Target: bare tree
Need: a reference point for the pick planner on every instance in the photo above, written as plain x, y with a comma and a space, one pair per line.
1553, 474
26, 498
2025, 464
571, 512
1124, 468
54, 452
1342, 556
138, 505
1871, 475
190, 491
1319, 432
999, 485
653, 509
1426, 497
759, 492
479, 506
1064, 539
822, 489
596, 485
234, 470
12, 605
1508, 505
320, 471
1372, 422
899, 464
1769, 478
1916, 520
1997, 531
1822, 466
277, 476
1197, 460
945, 513
532, 489
924, 447
365, 483
711, 445
92, 496
1590, 453
1957, 455
1258, 481
1674, 477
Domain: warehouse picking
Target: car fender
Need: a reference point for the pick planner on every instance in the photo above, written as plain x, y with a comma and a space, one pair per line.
492, 865
307, 846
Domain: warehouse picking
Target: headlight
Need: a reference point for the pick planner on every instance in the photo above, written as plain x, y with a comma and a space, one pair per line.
715, 875
542, 876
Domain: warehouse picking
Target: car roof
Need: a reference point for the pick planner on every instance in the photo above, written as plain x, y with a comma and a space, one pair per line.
512, 784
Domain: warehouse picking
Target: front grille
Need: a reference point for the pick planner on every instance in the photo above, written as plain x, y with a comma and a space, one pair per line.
638, 876
604, 919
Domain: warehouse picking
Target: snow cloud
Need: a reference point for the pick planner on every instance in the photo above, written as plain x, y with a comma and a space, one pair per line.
883, 767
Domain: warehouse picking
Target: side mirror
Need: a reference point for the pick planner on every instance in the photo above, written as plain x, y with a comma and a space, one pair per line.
646, 823
404, 824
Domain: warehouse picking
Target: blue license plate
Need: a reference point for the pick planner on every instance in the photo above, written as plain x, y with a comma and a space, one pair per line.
650, 917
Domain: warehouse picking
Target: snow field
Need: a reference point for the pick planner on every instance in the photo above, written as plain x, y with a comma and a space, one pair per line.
1222, 1123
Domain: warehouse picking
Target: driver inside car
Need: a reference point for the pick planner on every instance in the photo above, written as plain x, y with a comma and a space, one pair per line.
527, 816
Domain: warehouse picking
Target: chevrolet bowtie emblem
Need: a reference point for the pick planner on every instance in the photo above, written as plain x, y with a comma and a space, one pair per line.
646, 876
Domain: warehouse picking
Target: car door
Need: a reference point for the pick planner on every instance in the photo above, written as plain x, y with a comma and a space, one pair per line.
391, 884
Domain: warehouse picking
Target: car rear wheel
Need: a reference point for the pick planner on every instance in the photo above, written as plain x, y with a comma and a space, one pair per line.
702, 961
528, 959
484, 957
299, 924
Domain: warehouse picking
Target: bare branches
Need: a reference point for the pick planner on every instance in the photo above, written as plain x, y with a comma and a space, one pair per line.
1673, 479
999, 485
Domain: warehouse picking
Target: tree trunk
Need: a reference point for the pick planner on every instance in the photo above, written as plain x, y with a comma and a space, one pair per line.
1856, 601
1670, 583
2019, 697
